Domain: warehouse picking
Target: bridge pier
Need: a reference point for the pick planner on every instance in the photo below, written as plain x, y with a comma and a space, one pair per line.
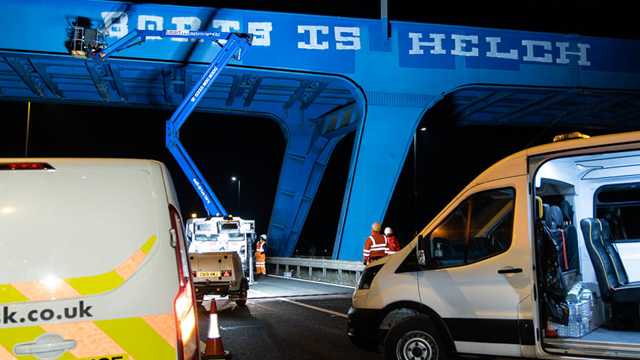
382, 143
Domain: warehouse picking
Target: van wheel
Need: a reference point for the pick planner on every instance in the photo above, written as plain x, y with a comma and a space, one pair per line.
414, 339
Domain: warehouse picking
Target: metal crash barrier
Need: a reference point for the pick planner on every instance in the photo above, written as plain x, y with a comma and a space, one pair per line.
330, 271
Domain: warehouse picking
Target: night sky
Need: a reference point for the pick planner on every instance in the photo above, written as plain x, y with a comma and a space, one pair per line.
252, 149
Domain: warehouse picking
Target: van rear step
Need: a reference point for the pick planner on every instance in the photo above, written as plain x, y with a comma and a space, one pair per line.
599, 344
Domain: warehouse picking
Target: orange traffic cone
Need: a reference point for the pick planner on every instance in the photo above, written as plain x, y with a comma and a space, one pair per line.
214, 348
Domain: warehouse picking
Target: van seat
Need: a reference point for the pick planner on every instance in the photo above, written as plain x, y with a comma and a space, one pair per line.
610, 273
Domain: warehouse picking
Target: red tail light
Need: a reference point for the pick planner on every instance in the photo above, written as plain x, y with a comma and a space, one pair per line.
26, 166
184, 304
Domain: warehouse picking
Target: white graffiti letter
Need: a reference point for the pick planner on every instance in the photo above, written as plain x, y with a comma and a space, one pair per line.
493, 50
149, 22
118, 21
355, 39
530, 57
261, 33
436, 43
582, 53
226, 26
313, 37
186, 23
460, 44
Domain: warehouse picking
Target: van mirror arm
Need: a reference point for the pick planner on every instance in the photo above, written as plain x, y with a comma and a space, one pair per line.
423, 252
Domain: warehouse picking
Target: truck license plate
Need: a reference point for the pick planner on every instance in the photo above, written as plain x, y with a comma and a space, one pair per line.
208, 273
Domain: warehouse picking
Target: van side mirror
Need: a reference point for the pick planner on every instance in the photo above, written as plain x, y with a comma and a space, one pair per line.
423, 251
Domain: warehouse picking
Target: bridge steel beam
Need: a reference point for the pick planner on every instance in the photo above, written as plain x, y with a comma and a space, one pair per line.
379, 153
307, 71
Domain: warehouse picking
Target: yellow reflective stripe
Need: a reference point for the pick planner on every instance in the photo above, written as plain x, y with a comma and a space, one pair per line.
83, 285
137, 338
91, 341
9, 294
89, 285
595, 251
613, 263
148, 245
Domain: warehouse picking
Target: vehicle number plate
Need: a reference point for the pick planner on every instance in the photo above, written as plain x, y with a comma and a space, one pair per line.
208, 273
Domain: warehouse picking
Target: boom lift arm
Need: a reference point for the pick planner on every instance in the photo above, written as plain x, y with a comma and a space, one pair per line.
234, 48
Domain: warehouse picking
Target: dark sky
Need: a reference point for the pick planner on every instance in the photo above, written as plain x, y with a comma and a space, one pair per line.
252, 148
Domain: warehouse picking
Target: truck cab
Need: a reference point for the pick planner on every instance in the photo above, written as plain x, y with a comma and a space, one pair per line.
537, 258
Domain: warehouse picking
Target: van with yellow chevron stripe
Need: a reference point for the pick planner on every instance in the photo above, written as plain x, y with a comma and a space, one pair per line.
93, 262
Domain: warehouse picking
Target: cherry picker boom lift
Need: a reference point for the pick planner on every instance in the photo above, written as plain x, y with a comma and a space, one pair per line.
90, 44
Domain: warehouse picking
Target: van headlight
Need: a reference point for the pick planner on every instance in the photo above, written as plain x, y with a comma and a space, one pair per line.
367, 277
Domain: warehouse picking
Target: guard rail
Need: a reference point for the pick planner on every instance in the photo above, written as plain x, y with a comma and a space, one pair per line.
331, 271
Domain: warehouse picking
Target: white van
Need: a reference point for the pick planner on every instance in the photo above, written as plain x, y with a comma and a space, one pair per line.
538, 257
93, 262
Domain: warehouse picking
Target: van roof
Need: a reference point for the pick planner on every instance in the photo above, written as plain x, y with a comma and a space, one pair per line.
513, 165
85, 163
579, 143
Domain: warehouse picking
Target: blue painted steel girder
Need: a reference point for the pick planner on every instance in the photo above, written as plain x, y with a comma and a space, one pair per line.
492, 76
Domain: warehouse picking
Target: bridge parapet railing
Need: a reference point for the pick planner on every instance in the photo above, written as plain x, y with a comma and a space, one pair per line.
325, 270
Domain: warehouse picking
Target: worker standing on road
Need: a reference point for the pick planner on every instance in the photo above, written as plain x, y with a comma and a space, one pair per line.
376, 245
261, 257
392, 242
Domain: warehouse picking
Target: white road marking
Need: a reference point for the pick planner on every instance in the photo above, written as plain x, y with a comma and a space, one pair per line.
301, 304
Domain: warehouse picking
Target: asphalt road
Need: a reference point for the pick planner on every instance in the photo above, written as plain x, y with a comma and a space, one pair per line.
286, 319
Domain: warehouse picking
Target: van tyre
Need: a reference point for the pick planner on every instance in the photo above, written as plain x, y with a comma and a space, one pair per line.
414, 338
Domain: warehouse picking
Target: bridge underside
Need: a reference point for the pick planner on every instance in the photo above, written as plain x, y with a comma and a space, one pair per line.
314, 111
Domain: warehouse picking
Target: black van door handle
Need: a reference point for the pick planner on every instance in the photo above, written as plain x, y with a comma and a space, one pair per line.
510, 271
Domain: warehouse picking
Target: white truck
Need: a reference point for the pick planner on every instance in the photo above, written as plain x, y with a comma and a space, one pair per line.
536, 258
220, 253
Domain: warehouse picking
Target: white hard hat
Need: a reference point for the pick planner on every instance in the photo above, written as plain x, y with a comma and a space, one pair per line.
375, 226
388, 231
263, 236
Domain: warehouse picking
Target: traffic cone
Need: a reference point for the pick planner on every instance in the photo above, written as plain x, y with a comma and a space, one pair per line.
214, 348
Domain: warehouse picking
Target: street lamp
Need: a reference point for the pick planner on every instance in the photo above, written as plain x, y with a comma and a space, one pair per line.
233, 178
415, 181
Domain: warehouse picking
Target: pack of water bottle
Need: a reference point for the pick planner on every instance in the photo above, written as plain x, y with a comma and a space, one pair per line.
586, 311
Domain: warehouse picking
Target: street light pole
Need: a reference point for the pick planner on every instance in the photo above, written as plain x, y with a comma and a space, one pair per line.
415, 180
415, 184
238, 180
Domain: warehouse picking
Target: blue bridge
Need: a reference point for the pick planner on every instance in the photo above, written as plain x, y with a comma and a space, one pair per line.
321, 78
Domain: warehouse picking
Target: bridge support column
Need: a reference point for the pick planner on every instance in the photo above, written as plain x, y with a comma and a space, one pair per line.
305, 159
381, 147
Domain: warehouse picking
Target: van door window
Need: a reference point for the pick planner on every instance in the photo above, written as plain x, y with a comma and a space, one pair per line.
479, 228
619, 205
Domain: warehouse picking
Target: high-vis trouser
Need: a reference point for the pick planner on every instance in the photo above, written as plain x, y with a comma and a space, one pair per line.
261, 264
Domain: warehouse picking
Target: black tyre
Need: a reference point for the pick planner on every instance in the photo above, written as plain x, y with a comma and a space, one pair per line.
241, 302
414, 338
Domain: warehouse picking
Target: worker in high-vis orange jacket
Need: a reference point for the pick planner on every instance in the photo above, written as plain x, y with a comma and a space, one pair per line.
261, 257
392, 243
375, 246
